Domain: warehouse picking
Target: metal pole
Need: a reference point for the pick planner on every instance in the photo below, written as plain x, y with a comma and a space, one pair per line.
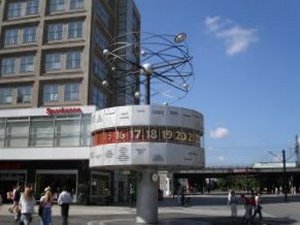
284, 175
148, 89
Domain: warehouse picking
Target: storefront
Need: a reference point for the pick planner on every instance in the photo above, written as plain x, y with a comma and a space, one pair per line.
51, 147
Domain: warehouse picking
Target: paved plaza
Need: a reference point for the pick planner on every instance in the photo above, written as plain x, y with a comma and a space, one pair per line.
205, 210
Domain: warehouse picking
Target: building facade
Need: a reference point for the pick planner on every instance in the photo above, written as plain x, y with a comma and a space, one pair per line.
51, 80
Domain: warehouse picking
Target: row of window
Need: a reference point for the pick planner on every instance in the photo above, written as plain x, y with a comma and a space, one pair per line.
15, 36
51, 93
55, 32
23, 94
25, 64
54, 92
21, 8
21, 65
45, 131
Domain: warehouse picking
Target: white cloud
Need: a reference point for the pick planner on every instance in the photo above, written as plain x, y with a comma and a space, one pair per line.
221, 158
237, 39
220, 132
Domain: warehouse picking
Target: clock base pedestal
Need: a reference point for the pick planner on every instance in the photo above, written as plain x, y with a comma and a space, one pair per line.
147, 197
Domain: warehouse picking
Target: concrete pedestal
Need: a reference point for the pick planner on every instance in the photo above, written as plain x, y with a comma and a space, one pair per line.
147, 198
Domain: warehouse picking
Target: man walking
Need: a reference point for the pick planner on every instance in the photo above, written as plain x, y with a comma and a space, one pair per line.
64, 200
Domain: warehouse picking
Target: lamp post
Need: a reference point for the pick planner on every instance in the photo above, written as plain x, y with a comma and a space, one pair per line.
284, 176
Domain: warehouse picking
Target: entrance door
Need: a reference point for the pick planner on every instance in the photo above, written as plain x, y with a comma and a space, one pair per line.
9, 179
56, 179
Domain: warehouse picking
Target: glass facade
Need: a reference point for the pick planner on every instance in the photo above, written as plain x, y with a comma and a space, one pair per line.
46, 131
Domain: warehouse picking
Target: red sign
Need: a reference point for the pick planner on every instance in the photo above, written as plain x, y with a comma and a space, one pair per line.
63, 110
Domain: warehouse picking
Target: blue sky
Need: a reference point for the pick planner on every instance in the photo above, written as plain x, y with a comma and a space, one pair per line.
246, 58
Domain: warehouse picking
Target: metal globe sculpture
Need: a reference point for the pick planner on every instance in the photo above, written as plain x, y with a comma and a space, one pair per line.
161, 64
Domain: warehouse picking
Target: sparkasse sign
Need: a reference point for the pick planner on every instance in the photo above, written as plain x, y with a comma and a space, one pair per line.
62, 110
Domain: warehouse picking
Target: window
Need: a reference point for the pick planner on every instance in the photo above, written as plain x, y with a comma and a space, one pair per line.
11, 37
67, 132
102, 13
29, 34
50, 93
72, 91
8, 66
2, 132
53, 61
55, 32
57, 5
77, 4
14, 10
100, 39
32, 7
75, 30
98, 98
17, 131
73, 60
42, 132
27, 63
6, 96
24, 94
100, 69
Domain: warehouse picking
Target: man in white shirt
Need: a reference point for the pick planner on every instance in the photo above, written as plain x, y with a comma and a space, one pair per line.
64, 200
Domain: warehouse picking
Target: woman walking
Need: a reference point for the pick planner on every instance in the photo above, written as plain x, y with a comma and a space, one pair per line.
26, 206
46, 203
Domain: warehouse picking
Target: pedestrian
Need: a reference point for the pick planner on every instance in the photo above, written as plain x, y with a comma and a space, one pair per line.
46, 203
64, 200
233, 202
16, 194
182, 195
229, 196
26, 206
258, 207
247, 205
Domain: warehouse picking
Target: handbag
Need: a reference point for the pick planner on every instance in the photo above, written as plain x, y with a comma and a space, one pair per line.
40, 210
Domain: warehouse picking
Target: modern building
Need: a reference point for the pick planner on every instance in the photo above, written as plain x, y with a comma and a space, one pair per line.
51, 79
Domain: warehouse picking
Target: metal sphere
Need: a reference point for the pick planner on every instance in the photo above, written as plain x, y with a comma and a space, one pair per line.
105, 52
105, 83
186, 86
137, 94
180, 37
143, 52
147, 69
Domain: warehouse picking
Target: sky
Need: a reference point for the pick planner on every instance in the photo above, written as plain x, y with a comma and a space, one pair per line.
246, 61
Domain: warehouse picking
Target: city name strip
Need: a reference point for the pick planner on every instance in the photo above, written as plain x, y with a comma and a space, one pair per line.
176, 135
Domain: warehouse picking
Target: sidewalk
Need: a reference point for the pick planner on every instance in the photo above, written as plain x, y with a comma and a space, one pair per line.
205, 210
